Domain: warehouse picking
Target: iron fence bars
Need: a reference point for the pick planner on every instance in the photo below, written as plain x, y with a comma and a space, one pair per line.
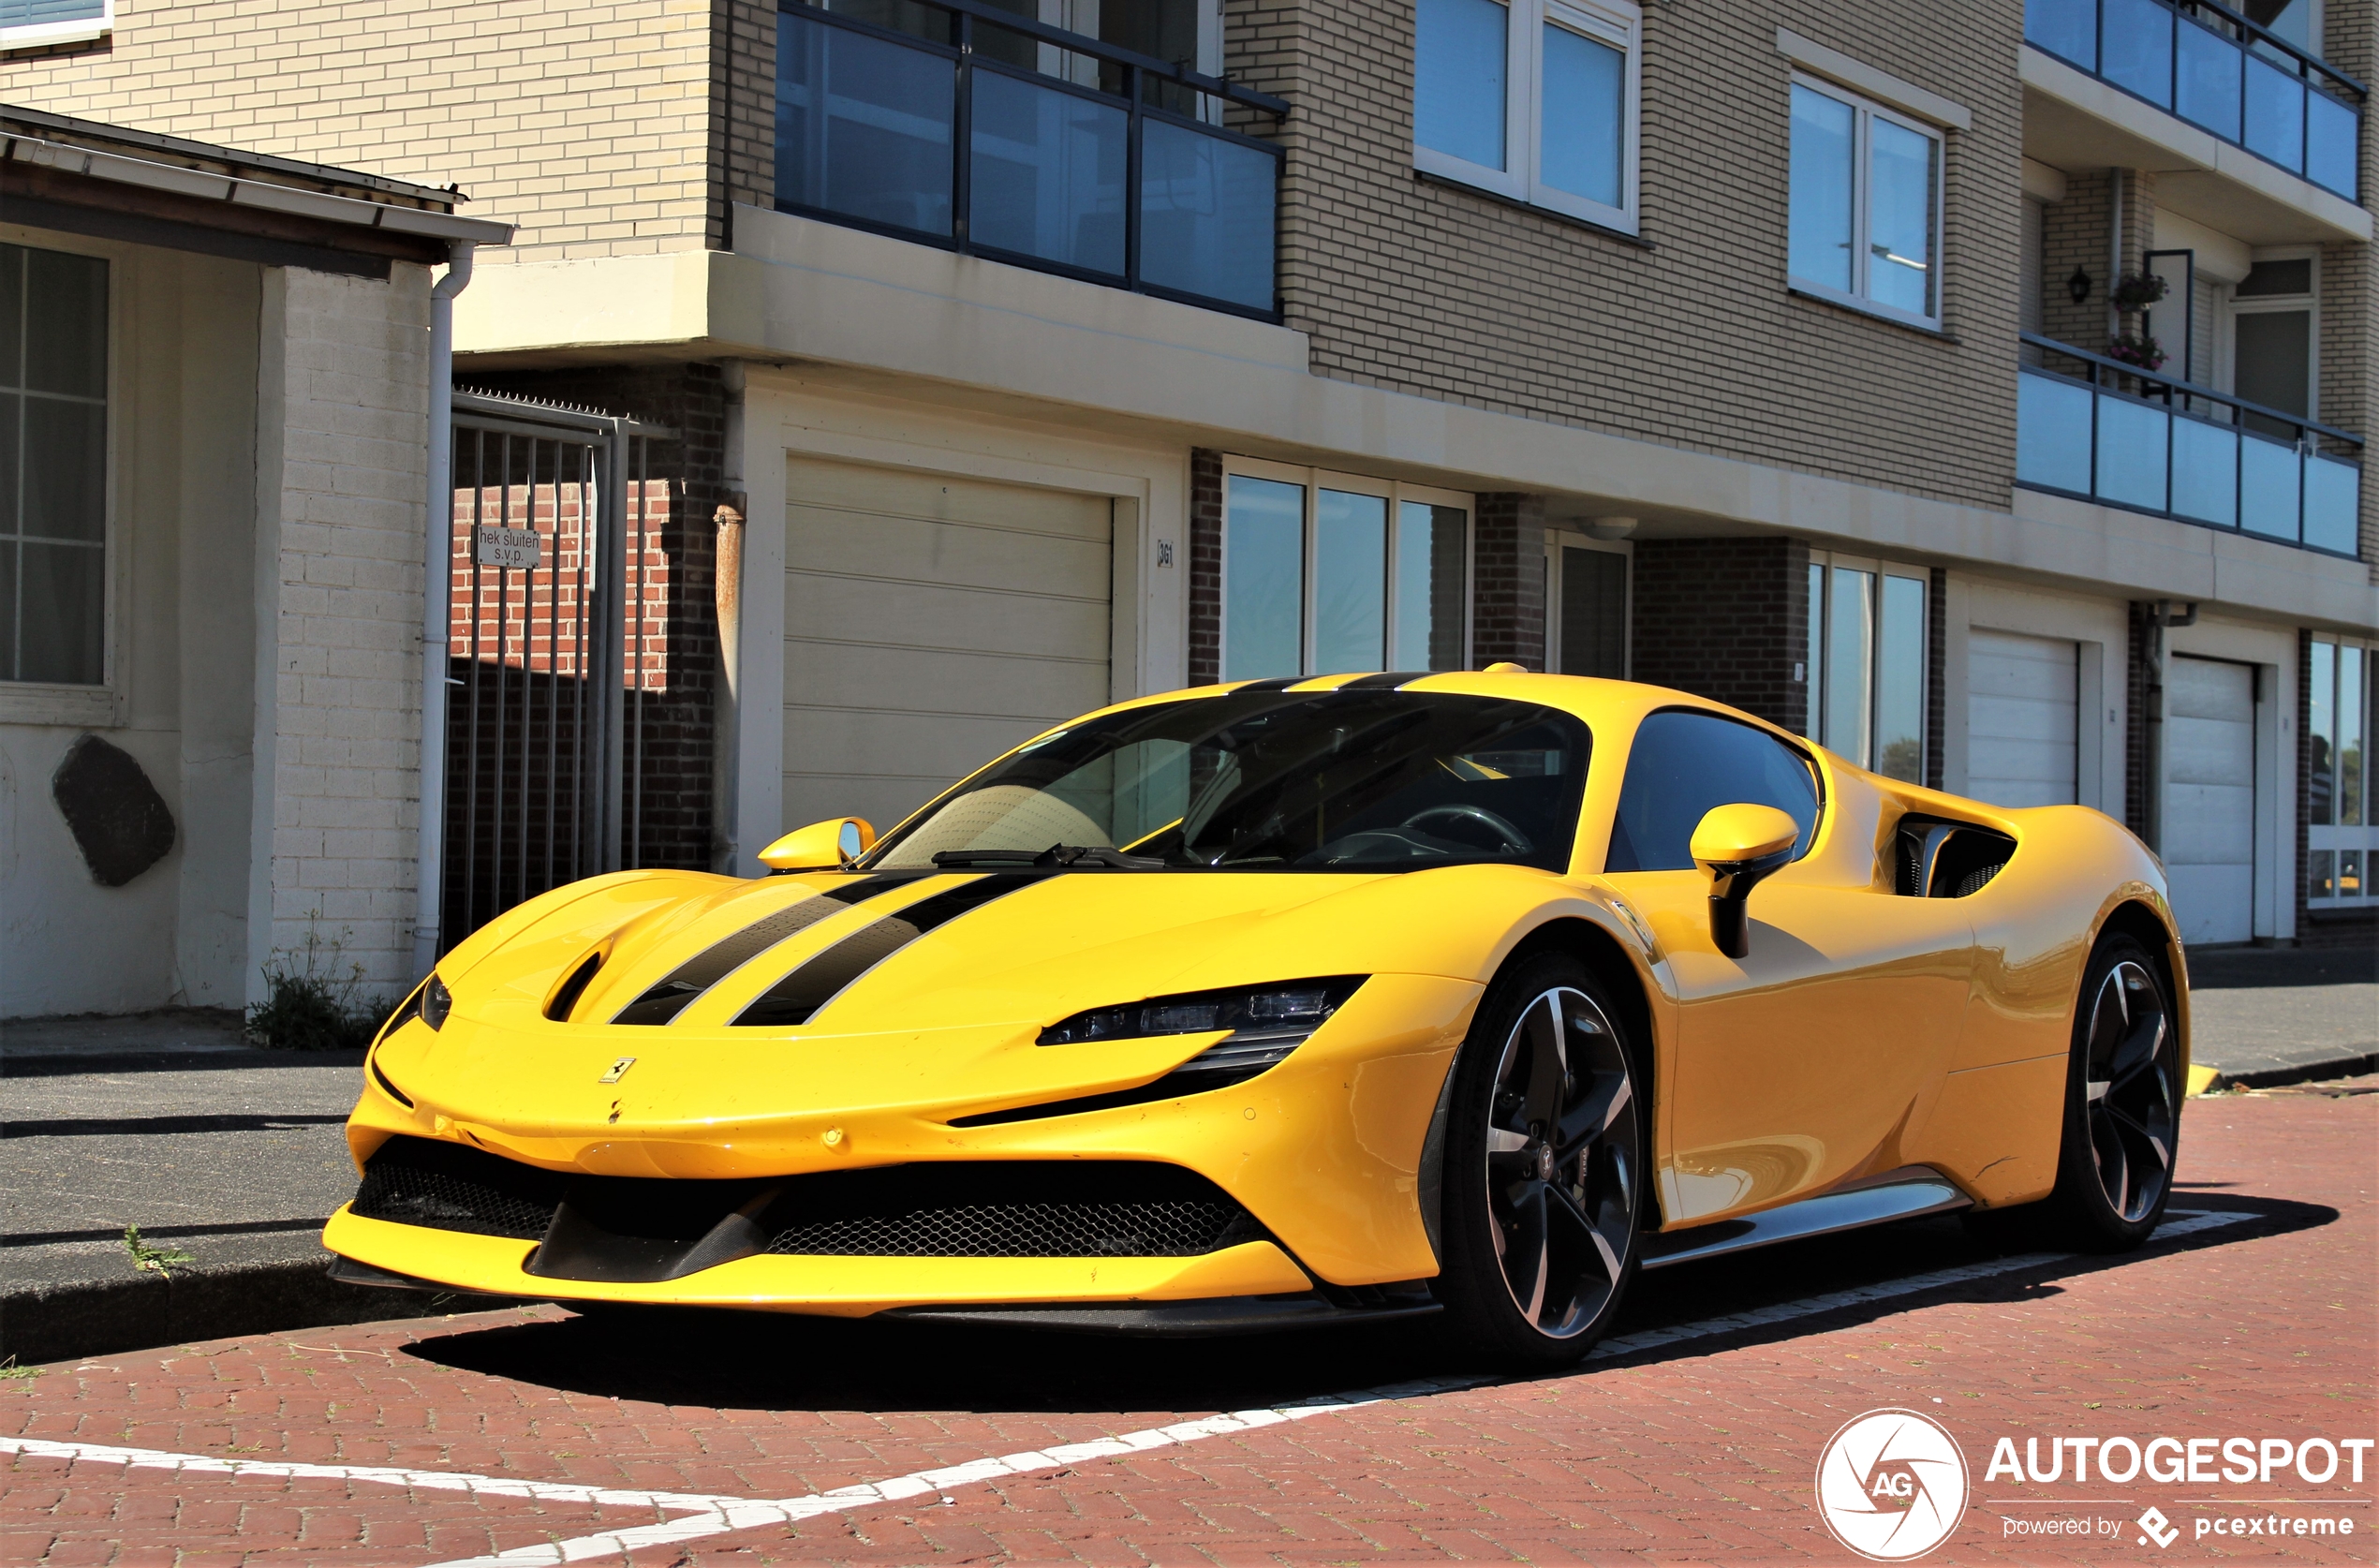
2219, 71
550, 651
958, 124
2113, 432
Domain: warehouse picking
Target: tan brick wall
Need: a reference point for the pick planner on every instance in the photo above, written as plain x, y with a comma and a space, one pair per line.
1695, 342
590, 125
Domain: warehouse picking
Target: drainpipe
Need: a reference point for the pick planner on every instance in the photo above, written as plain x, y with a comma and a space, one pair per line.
727, 587
2159, 615
438, 574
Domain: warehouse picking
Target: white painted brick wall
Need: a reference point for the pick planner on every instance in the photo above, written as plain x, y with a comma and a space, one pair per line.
348, 675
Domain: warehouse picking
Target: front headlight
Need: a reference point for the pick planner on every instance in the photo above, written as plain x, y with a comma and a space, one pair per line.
436, 1001
1267, 1023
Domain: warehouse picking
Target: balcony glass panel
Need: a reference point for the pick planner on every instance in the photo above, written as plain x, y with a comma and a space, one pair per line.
1047, 169
1206, 214
2138, 45
2333, 501
863, 125
2275, 113
2132, 440
2052, 432
2065, 28
2331, 129
2269, 473
2207, 80
2206, 471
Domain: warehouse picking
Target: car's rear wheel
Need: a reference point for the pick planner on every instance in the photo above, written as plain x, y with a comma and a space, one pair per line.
1544, 1183
2122, 1131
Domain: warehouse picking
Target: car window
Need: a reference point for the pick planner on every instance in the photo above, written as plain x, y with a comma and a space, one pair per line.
1682, 765
1371, 780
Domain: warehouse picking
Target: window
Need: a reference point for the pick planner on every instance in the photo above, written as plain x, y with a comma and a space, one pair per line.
2341, 838
1868, 664
1533, 99
1685, 765
2274, 334
1866, 205
53, 466
1275, 781
1326, 575
31, 24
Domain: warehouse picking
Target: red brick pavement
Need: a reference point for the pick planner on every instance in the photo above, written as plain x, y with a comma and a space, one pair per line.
1700, 1451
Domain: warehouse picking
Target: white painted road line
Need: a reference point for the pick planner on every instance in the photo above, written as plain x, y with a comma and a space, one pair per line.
709, 1516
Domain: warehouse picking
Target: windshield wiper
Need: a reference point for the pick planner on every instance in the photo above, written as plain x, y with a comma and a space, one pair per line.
1061, 856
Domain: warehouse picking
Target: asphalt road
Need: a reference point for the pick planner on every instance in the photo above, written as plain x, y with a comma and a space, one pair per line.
1695, 1436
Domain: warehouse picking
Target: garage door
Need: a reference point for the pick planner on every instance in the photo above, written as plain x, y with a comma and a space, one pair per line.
930, 623
2210, 797
2021, 707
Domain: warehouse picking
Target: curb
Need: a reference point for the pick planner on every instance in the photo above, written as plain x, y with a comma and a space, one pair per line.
103, 1317
2306, 1073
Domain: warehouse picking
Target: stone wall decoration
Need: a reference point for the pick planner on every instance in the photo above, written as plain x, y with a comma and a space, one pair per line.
120, 822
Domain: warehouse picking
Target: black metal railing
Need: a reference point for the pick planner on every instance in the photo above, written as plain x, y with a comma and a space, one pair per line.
964, 126
2110, 432
2219, 71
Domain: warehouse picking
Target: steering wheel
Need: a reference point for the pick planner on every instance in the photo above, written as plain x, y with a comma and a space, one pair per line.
1514, 841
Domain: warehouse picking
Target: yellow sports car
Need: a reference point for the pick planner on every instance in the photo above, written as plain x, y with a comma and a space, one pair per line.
1293, 1001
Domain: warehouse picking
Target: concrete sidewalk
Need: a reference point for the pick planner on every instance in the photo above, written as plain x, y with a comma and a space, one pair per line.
2279, 1015
172, 1122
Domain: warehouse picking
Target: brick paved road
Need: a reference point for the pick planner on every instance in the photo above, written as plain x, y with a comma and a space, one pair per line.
1700, 1447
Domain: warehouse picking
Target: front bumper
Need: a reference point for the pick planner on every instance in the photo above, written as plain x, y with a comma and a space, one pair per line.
1323, 1150
828, 1286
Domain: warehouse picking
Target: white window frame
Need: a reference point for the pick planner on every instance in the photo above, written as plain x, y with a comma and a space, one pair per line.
80, 30
1615, 22
1820, 620
2233, 307
2332, 837
100, 706
1868, 110
1558, 539
1314, 482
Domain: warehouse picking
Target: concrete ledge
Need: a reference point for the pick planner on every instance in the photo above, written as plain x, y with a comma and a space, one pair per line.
68, 1320
2308, 1072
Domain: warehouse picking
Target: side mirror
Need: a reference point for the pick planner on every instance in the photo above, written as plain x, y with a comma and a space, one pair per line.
827, 846
1740, 846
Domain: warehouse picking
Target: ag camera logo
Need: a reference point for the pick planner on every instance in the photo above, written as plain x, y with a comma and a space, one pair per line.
1891, 1485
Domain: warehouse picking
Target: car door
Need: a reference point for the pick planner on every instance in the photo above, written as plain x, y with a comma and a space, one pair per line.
1797, 1065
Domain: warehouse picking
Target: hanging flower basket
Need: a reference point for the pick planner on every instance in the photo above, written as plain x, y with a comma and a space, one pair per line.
2138, 349
2138, 290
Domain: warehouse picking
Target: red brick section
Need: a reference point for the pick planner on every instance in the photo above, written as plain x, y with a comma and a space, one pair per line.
1701, 1451
1727, 619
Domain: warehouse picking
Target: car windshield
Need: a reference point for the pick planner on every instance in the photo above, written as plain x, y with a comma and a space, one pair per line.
1373, 780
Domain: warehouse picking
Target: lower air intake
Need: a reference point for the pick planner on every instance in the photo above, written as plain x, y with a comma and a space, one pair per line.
1022, 1209
447, 1187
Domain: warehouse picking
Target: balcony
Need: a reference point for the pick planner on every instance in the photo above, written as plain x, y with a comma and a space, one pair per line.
2111, 433
956, 124
2213, 67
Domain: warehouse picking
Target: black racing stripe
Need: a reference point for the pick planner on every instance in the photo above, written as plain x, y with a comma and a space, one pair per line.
1387, 681
1277, 683
706, 968
798, 997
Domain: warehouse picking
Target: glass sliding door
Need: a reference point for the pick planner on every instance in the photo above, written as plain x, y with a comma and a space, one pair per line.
1262, 579
1350, 583
1869, 664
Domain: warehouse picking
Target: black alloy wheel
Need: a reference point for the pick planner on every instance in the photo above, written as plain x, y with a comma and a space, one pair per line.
2130, 1090
2122, 1116
1544, 1186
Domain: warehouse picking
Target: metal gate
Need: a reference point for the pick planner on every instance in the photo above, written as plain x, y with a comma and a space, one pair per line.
553, 524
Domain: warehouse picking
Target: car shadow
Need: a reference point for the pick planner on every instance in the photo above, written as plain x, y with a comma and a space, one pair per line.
732, 1360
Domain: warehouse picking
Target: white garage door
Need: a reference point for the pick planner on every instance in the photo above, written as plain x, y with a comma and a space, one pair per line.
2210, 797
930, 624
2021, 707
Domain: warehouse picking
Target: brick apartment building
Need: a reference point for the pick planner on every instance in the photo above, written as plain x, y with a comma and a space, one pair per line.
1985, 402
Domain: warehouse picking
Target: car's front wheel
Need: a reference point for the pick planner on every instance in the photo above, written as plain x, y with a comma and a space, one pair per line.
1544, 1182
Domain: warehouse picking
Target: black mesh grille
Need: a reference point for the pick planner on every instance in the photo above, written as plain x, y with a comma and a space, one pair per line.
447, 1186
1009, 1210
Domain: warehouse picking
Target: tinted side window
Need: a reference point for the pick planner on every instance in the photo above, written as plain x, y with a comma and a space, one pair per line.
1684, 764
